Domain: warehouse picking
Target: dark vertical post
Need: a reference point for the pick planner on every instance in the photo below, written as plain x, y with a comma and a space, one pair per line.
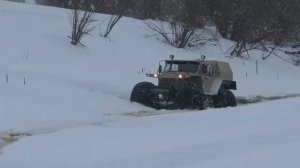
256, 67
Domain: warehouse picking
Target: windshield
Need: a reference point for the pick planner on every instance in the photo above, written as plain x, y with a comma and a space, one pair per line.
181, 66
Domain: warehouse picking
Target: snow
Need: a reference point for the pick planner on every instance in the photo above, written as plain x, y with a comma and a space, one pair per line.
75, 101
231, 137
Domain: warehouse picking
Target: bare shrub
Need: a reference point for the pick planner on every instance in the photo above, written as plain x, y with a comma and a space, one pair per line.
118, 11
179, 34
113, 19
81, 18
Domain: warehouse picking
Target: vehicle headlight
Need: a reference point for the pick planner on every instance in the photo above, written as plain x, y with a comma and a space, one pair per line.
155, 75
180, 76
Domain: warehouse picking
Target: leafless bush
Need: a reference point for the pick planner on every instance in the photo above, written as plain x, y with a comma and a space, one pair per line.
113, 19
81, 18
177, 34
118, 11
242, 47
253, 37
250, 32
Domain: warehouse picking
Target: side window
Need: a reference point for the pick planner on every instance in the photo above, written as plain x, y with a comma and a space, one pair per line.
210, 70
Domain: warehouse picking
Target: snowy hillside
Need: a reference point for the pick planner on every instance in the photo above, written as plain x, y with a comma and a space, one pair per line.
48, 84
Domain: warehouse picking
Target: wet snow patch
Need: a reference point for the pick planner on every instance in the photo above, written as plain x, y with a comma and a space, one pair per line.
8, 138
259, 98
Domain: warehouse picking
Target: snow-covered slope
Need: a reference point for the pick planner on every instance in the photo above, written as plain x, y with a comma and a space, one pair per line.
68, 84
54, 85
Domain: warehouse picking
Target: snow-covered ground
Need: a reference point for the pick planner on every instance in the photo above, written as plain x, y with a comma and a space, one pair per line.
84, 91
264, 135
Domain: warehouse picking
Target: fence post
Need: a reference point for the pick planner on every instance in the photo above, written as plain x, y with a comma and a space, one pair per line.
256, 67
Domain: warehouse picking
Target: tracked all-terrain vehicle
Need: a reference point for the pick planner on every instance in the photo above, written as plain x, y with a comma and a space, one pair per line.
188, 84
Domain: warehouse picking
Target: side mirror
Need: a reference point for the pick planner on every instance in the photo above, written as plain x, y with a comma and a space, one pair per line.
171, 57
159, 69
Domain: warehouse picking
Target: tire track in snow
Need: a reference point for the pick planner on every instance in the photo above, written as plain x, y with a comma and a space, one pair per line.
240, 100
259, 98
8, 138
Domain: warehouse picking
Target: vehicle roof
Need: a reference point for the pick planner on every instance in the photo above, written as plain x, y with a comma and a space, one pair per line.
195, 60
